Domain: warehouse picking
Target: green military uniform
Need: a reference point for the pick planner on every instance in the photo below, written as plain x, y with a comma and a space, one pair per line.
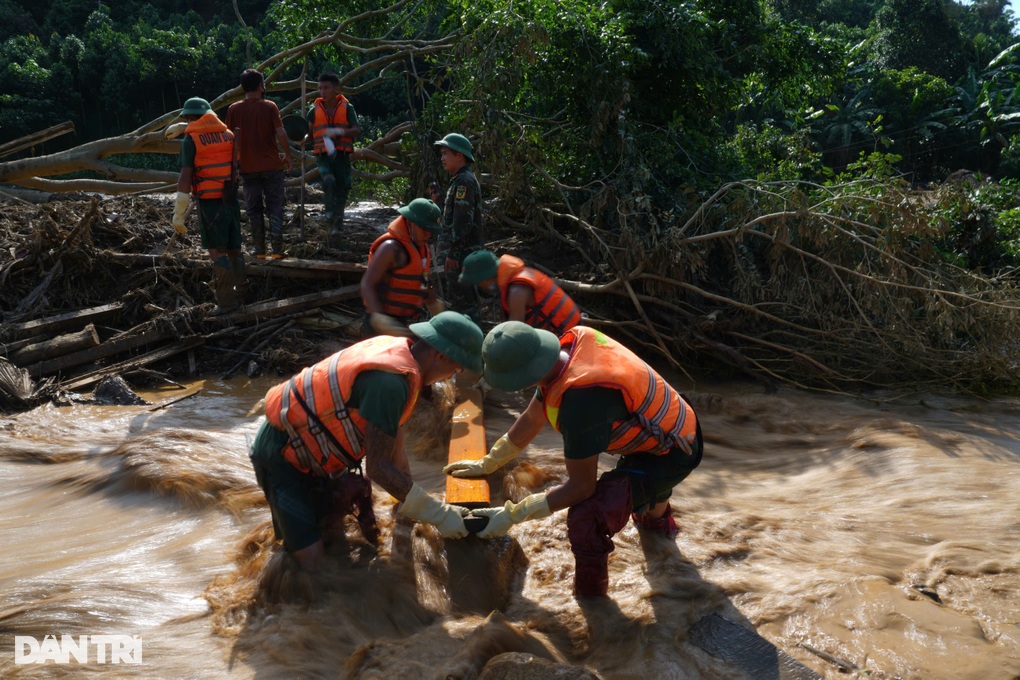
219, 223
297, 500
461, 234
586, 420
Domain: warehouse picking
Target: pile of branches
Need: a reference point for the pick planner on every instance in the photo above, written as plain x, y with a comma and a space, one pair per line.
836, 288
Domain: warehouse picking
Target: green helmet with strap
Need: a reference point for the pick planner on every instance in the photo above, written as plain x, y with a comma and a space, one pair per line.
458, 143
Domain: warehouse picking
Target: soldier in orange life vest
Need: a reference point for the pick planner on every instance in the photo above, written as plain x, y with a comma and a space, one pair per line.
601, 397
348, 408
207, 172
525, 294
334, 126
395, 288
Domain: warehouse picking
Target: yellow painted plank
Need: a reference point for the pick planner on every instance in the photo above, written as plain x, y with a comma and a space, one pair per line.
467, 440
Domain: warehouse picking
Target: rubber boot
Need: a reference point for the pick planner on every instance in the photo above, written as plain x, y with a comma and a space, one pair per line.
223, 286
664, 525
329, 197
335, 238
240, 277
591, 525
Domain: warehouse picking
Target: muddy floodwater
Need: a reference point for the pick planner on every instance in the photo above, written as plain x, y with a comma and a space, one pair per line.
863, 538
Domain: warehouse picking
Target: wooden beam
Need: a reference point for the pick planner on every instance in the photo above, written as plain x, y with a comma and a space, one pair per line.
286, 267
467, 441
275, 308
131, 364
76, 319
101, 351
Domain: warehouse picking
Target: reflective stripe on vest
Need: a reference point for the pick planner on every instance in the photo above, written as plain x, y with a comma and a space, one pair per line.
404, 291
326, 388
322, 121
214, 156
659, 417
553, 310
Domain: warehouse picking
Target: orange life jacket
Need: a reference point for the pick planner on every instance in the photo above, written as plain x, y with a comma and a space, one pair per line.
214, 156
325, 388
323, 121
405, 290
659, 418
553, 309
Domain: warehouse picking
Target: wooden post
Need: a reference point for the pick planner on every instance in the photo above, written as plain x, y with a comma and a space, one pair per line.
467, 440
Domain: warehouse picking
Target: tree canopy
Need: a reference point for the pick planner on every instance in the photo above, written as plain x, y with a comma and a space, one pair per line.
631, 132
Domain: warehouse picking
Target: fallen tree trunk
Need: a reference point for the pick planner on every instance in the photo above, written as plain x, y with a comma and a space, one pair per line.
36, 138
60, 345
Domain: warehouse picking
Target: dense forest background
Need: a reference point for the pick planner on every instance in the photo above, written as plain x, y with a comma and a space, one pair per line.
774, 182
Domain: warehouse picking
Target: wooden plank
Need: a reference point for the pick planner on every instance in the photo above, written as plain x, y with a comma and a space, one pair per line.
131, 364
67, 320
101, 351
288, 267
276, 308
467, 441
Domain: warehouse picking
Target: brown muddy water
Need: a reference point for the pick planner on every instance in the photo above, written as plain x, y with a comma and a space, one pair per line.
883, 535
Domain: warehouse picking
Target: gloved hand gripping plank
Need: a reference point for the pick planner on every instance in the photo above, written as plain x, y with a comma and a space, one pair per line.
467, 440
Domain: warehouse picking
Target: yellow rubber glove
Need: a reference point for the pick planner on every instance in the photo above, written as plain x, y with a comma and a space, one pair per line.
384, 324
180, 209
535, 506
174, 131
420, 506
501, 453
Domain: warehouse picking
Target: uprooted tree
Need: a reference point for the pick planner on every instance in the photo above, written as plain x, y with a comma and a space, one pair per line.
840, 287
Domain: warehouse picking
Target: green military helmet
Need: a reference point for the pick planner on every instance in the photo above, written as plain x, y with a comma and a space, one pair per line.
454, 335
196, 106
479, 266
458, 143
422, 212
517, 356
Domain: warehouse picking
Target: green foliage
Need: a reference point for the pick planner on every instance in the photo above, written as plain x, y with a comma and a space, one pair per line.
919, 33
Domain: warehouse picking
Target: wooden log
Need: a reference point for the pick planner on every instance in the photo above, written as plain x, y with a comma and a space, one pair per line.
29, 140
133, 364
286, 267
101, 351
276, 308
9, 348
60, 322
60, 345
467, 441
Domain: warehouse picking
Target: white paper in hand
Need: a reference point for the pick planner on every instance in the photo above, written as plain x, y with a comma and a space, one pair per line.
330, 146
